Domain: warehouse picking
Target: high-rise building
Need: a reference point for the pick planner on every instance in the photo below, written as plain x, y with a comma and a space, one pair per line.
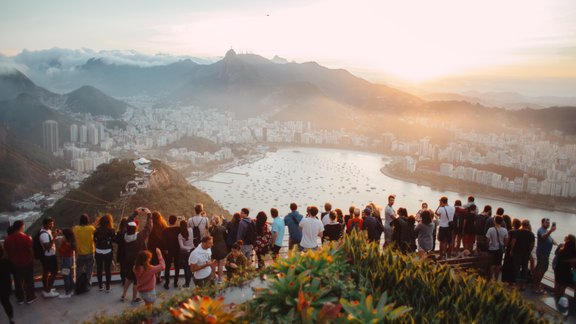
93, 132
73, 133
50, 135
83, 134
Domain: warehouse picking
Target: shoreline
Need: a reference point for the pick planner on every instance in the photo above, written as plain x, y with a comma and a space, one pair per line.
528, 202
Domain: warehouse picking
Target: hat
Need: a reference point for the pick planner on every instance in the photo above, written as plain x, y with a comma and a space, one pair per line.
132, 224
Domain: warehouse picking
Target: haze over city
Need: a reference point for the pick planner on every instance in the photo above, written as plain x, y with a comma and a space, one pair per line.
426, 46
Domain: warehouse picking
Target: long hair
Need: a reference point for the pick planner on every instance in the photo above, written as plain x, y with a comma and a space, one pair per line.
123, 225
69, 236
260, 222
184, 229
236, 218
106, 221
158, 224
143, 259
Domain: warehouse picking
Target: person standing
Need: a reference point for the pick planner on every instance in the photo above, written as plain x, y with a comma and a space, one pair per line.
219, 248
201, 263
372, 225
293, 220
186, 244
18, 248
333, 230
246, 233
497, 242
445, 213
263, 238
312, 229
120, 243
277, 232
170, 237
48, 259
389, 218
6, 271
155, 239
103, 237
199, 224
566, 261
543, 249
424, 231
134, 242
325, 216
67, 267
521, 247
84, 234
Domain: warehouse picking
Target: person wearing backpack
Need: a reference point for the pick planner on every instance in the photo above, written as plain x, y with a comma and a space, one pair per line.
19, 250
48, 259
246, 233
292, 220
480, 224
354, 223
199, 224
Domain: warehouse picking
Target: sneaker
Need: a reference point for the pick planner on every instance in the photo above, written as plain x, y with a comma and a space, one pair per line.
108, 290
63, 296
136, 301
30, 301
50, 294
53, 290
21, 302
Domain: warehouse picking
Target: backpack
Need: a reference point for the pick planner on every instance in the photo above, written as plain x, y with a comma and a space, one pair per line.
196, 233
37, 245
250, 235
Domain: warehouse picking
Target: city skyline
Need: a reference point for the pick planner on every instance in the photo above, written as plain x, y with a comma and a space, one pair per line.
523, 45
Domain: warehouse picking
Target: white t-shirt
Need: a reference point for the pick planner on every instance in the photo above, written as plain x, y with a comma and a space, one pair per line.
326, 219
45, 237
186, 245
446, 215
389, 216
200, 257
493, 238
311, 227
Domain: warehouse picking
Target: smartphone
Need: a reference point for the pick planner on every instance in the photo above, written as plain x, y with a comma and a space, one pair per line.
553, 224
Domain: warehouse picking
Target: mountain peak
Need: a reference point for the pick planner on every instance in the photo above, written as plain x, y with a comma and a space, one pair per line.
230, 54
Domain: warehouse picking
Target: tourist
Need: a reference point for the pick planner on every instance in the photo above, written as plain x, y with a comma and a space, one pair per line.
232, 229
470, 202
355, 223
333, 230
146, 275
263, 238
521, 249
325, 216
508, 270
459, 214
18, 248
480, 224
403, 234
6, 272
103, 237
565, 262
340, 216
497, 241
155, 239
445, 213
389, 217
424, 231
349, 216
120, 254
201, 263
236, 262
372, 225
134, 242
543, 249
246, 233
199, 223
84, 235
468, 228
435, 222
186, 244
67, 267
507, 222
219, 248
490, 219
277, 232
48, 259
172, 248
312, 229
293, 220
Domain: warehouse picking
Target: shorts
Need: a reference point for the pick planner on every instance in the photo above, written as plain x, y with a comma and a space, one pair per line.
496, 257
148, 296
130, 272
542, 262
445, 235
49, 264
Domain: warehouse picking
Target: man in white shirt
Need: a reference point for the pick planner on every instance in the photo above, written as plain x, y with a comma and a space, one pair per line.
49, 260
389, 217
200, 220
445, 213
312, 229
201, 263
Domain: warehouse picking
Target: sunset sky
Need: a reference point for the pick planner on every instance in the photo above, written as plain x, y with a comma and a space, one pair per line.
411, 40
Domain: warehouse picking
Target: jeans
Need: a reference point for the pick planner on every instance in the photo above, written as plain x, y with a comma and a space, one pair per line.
24, 282
85, 264
184, 263
247, 251
68, 263
172, 256
104, 260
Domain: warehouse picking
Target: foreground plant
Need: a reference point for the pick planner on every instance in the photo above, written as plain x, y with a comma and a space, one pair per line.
364, 311
205, 310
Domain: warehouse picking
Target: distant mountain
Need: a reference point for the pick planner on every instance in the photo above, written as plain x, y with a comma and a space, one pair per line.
91, 100
508, 100
16, 83
168, 192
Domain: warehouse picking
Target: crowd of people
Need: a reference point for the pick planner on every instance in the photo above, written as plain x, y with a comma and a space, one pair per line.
203, 247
